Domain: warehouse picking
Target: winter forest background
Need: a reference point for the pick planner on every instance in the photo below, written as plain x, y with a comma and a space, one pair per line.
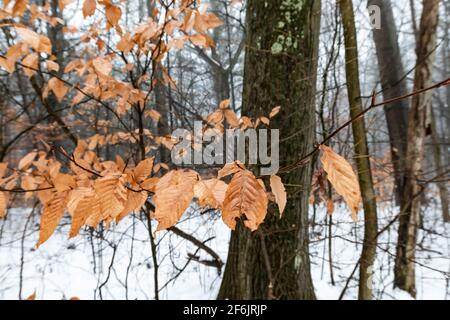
128, 260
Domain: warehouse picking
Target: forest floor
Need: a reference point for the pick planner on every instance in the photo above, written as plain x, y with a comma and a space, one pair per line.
120, 266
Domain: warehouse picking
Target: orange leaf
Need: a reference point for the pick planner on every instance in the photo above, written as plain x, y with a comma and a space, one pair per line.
112, 195
244, 196
135, 201
231, 118
52, 65
149, 184
153, 114
52, 213
198, 39
30, 61
3, 167
173, 195
330, 206
83, 203
224, 104
113, 14
343, 179
279, 192
274, 112
32, 296
230, 168
89, 7
26, 161
125, 44
143, 169
102, 66
3, 204
19, 7
210, 192
38, 42
58, 87
29, 37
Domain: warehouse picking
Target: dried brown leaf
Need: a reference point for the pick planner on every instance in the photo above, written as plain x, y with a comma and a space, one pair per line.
342, 177
230, 168
244, 196
279, 192
173, 195
210, 192
52, 213
89, 7
27, 160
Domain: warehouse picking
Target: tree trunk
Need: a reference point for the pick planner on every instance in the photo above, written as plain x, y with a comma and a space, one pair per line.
361, 152
280, 69
161, 101
440, 168
392, 77
446, 67
418, 124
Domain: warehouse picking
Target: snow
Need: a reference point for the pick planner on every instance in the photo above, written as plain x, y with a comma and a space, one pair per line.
62, 268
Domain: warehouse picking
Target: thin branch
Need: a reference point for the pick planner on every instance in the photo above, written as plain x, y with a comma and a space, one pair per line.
305, 159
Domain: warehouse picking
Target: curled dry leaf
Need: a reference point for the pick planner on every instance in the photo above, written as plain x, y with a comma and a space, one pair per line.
279, 192
210, 192
173, 195
143, 169
342, 178
27, 160
230, 168
52, 66
274, 112
224, 104
244, 196
231, 118
135, 201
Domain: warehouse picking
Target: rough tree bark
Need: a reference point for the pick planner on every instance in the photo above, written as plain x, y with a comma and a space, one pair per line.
440, 167
361, 151
280, 69
393, 83
161, 101
418, 124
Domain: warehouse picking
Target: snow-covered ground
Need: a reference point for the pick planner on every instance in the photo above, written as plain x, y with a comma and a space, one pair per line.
122, 266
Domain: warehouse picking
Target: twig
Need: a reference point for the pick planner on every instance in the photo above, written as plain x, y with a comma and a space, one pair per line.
198, 243
305, 159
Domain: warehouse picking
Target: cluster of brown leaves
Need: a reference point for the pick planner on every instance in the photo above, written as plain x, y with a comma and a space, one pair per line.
97, 191
224, 113
183, 23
